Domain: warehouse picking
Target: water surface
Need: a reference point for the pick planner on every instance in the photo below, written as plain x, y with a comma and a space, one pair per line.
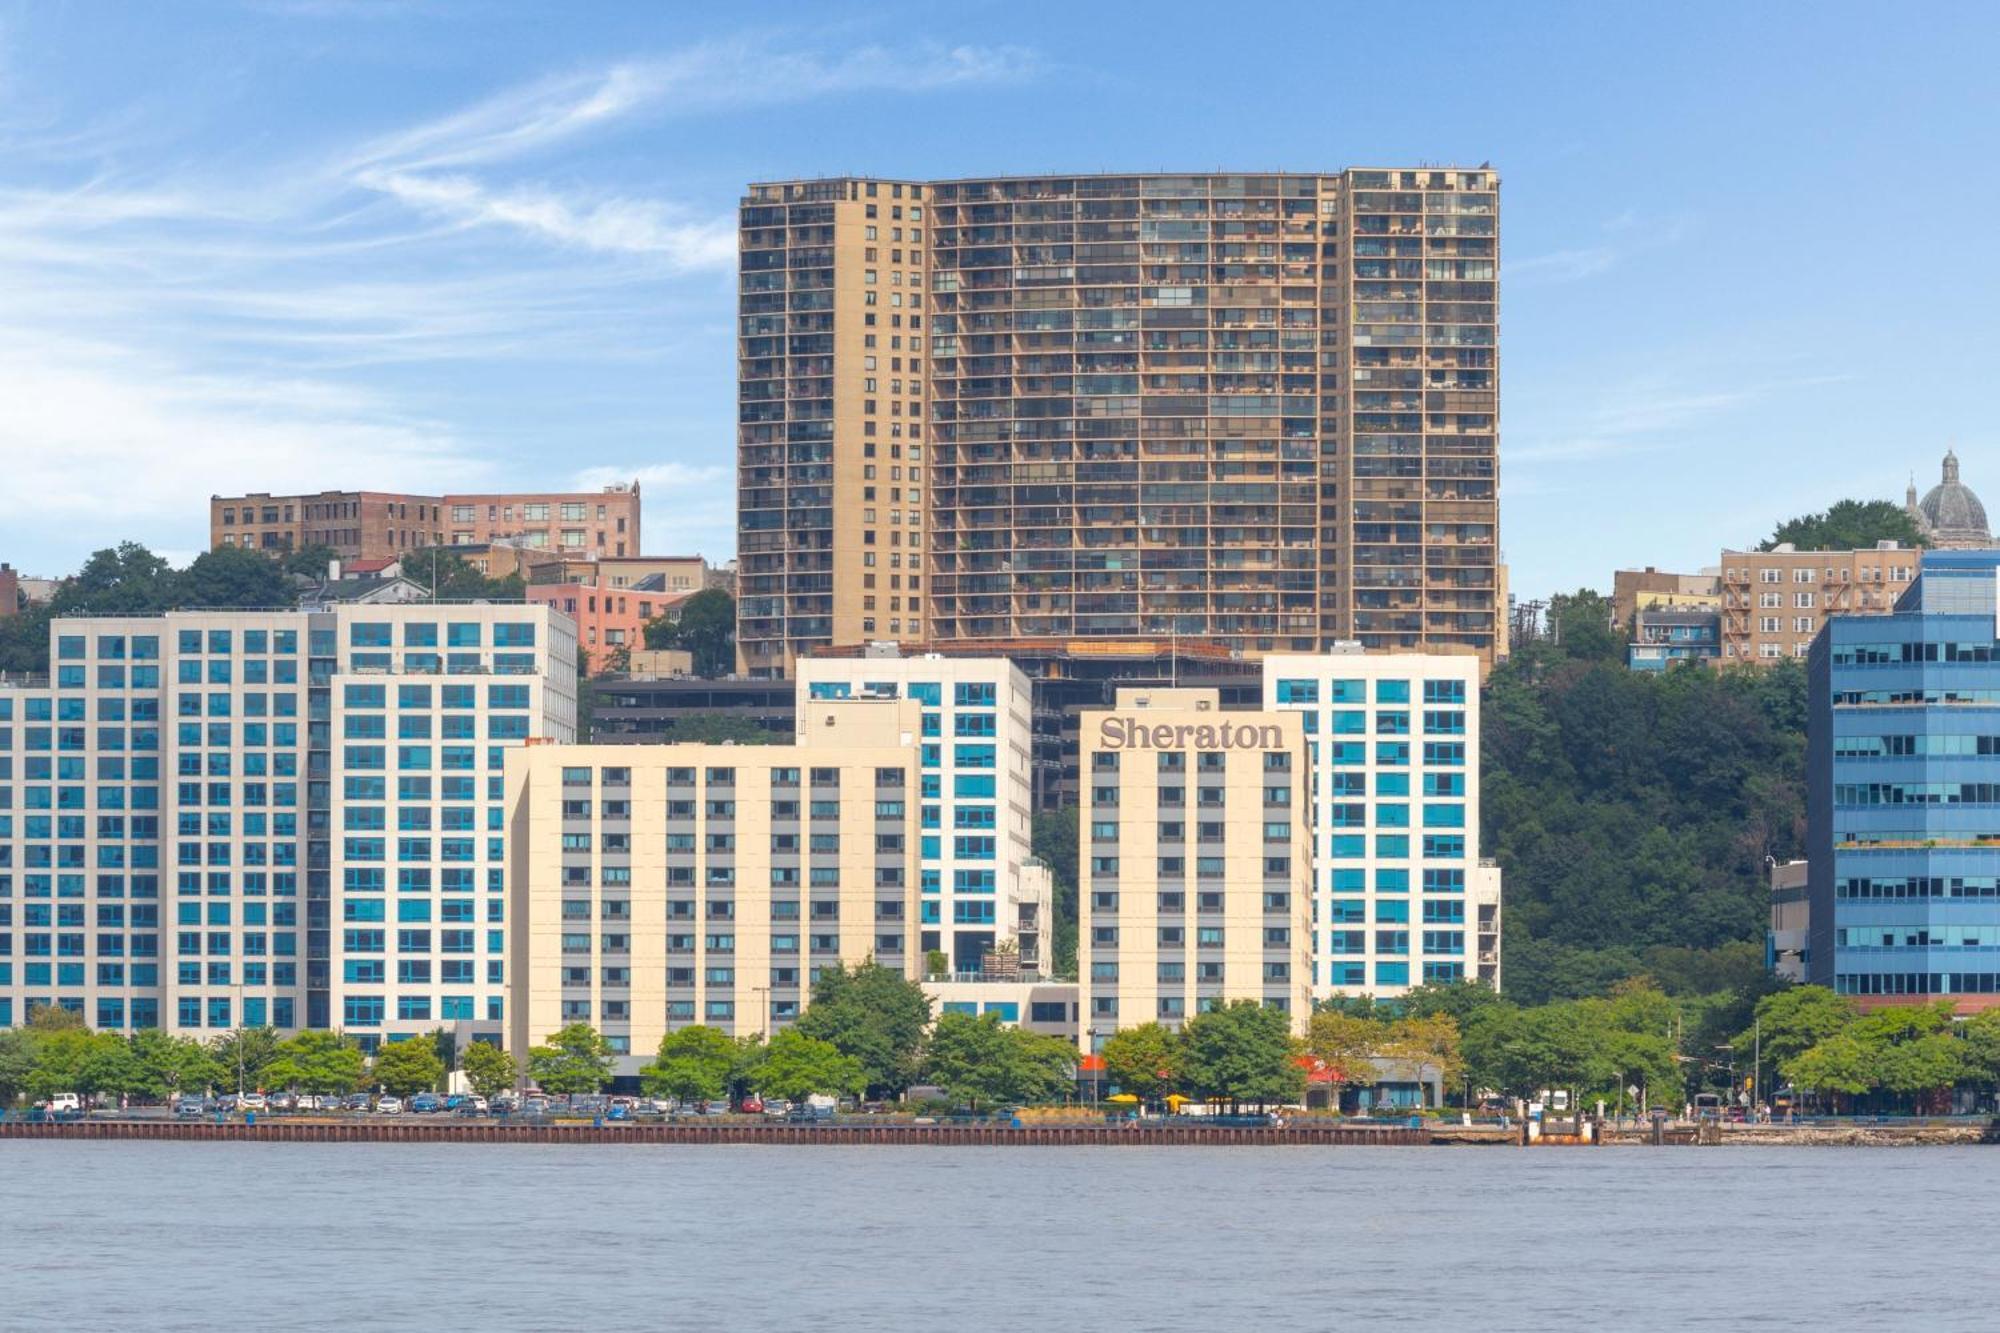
170, 1236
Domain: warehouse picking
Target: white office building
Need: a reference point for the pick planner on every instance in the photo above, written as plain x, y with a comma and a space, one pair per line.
979, 887
213, 819
1401, 895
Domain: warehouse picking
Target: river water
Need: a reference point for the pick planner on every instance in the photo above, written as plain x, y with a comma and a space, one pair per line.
163, 1236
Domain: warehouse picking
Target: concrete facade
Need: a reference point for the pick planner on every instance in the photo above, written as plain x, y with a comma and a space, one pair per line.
1402, 894
665, 886
1174, 780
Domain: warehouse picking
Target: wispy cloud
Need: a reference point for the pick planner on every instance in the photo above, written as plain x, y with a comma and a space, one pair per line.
1642, 417
166, 330
1624, 237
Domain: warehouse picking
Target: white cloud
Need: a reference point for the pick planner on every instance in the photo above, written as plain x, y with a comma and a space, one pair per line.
637, 226
1628, 235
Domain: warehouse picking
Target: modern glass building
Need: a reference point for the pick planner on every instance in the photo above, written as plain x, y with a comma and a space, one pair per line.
295, 819
1258, 410
1903, 798
1401, 895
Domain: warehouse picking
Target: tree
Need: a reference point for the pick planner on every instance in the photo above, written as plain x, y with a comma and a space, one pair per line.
797, 1066
1848, 525
317, 1062
233, 577
1054, 841
983, 1062
577, 1060
1432, 1042
693, 1065
704, 625
405, 1068
24, 642
1793, 1021
488, 1069
1347, 1044
1582, 628
1145, 1061
17, 1065
1242, 1052
875, 1015
716, 729
308, 561
451, 578
128, 580
244, 1055
172, 1065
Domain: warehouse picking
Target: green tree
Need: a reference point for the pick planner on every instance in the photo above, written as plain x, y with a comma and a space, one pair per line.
703, 625
1145, 1060
1580, 623
1848, 525
232, 577
1347, 1043
24, 642
245, 1054
308, 561
172, 1065
1845, 1062
577, 1060
797, 1066
1791, 1022
317, 1062
693, 1065
1053, 838
17, 1065
451, 578
488, 1069
981, 1062
129, 580
875, 1015
1242, 1052
717, 729
405, 1068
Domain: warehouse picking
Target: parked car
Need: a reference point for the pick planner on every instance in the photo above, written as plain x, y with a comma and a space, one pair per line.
777, 1108
357, 1101
190, 1108
65, 1102
253, 1101
426, 1103
470, 1106
389, 1106
505, 1103
752, 1105
536, 1106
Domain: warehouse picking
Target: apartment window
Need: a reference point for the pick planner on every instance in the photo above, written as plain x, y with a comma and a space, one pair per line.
1769, 624
1770, 576
1802, 625
1803, 575
1803, 600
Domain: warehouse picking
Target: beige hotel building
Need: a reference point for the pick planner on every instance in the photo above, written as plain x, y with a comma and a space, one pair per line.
1196, 861
657, 887
1773, 602
1258, 410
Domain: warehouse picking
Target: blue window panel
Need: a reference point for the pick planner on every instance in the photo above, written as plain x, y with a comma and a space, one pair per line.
1392, 973
1392, 691
1450, 815
1298, 691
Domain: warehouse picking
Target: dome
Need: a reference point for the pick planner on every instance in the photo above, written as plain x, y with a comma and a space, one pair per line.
1950, 514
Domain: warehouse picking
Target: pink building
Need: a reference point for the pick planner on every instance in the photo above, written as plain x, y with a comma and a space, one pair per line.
609, 621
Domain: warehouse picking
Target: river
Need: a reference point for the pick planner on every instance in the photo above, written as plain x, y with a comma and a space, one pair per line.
347, 1237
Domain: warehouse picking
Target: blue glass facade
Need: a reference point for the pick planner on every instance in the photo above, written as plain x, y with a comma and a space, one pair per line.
1903, 800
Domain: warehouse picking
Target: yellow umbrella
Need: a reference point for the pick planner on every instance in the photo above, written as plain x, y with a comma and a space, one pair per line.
1177, 1101
1125, 1097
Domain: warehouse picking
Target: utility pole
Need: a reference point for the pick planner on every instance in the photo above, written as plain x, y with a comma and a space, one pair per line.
1757, 1069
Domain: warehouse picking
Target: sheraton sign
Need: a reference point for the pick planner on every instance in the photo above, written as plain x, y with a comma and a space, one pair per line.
1125, 733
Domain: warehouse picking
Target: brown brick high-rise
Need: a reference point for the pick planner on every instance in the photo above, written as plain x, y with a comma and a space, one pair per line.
1259, 410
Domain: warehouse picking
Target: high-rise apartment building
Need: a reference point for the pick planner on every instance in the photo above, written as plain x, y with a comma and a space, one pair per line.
1254, 409
978, 884
214, 819
1401, 893
1196, 862
672, 885
1903, 778
1774, 602
379, 525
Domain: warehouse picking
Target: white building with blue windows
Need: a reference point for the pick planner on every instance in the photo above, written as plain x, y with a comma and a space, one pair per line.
980, 886
1401, 894
213, 819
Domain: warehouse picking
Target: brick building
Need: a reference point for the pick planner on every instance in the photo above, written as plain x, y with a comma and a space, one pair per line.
371, 525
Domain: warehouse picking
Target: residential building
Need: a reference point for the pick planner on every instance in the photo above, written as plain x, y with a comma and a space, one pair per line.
1401, 893
1903, 782
669, 573
1259, 410
1636, 590
1196, 862
1047, 1007
10, 590
369, 525
610, 621
974, 737
200, 813
1774, 602
1949, 516
1663, 636
665, 886
1787, 943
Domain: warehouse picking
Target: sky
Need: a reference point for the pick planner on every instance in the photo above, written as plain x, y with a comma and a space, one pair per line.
281, 245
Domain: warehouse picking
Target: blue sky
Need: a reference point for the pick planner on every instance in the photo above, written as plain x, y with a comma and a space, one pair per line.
430, 244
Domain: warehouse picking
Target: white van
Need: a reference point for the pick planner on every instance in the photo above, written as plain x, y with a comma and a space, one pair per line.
66, 1101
